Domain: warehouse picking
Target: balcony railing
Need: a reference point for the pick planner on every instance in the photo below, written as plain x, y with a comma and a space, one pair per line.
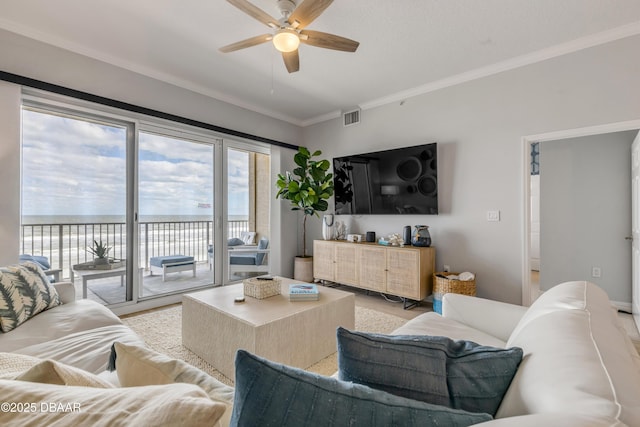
65, 244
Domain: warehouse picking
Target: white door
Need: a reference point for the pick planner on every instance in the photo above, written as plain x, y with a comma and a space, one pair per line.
635, 227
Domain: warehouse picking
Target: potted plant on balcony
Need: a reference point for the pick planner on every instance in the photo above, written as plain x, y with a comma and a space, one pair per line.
308, 188
100, 251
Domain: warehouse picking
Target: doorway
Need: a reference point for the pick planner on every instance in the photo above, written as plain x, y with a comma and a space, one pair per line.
561, 139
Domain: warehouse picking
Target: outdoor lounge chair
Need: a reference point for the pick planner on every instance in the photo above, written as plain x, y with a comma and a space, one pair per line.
171, 264
43, 262
249, 259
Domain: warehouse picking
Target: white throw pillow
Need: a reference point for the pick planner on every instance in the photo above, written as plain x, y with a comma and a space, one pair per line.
52, 372
35, 404
139, 366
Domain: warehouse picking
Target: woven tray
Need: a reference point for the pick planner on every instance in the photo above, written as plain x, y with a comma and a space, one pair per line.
442, 285
261, 289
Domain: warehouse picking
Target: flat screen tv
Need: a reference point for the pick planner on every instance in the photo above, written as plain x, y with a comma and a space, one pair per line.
399, 181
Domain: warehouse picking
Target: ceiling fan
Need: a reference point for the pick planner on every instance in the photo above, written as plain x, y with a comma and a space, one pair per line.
289, 30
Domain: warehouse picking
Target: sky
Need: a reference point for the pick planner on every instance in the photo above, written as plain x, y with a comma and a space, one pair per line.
77, 167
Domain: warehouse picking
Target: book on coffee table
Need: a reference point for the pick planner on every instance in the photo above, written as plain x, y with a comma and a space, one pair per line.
303, 292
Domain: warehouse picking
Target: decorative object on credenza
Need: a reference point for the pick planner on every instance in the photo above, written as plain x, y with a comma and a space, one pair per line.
391, 240
421, 236
406, 235
327, 227
355, 238
371, 236
340, 231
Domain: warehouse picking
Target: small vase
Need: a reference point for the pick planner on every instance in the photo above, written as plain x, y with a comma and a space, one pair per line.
327, 227
421, 236
101, 261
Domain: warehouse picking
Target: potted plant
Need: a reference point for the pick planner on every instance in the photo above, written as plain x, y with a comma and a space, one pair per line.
308, 188
100, 251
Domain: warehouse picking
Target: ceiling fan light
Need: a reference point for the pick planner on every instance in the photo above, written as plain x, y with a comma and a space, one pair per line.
286, 40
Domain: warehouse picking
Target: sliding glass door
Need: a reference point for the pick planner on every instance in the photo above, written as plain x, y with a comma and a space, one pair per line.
176, 212
166, 202
74, 187
248, 205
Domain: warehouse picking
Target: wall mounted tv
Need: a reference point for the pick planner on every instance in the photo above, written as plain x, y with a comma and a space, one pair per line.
399, 181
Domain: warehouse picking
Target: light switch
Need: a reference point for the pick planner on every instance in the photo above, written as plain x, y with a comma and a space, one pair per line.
493, 216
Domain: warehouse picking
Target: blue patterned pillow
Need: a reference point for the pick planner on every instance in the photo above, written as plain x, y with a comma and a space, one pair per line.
24, 292
271, 394
457, 374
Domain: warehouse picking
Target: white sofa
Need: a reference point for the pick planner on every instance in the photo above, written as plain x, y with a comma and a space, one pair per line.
79, 333
157, 390
579, 366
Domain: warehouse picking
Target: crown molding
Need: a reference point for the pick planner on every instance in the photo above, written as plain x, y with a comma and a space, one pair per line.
597, 39
510, 64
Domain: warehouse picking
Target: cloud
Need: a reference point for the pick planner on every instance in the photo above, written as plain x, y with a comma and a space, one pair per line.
78, 167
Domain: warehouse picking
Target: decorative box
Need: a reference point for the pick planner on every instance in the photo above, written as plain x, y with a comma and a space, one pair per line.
261, 289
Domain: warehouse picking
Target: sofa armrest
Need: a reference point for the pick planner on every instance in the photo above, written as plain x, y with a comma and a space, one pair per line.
492, 317
66, 291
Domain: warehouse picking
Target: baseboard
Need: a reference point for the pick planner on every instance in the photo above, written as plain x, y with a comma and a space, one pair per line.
622, 306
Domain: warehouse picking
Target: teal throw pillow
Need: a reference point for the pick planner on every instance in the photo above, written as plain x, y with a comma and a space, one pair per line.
276, 395
457, 374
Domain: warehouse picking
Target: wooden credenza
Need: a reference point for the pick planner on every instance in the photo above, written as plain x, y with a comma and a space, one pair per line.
402, 271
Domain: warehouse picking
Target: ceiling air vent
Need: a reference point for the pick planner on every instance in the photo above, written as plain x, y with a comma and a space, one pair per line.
351, 117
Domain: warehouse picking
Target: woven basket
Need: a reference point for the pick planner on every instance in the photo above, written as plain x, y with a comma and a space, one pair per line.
261, 289
442, 285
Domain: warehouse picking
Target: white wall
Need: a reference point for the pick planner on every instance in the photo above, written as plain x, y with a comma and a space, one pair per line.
585, 200
478, 126
9, 173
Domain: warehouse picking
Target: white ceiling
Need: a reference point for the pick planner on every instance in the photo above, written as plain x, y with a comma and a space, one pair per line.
407, 47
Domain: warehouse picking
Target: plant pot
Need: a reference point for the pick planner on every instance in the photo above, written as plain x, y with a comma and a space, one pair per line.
101, 261
303, 269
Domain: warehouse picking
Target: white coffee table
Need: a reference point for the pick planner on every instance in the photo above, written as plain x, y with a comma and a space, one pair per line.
294, 333
87, 275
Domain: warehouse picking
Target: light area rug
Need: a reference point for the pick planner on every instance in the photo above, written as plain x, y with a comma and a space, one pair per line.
162, 331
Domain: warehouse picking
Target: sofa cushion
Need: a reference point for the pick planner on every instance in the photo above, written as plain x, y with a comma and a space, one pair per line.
576, 358
160, 261
42, 261
234, 241
434, 324
25, 291
269, 393
52, 372
50, 404
434, 369
137, 365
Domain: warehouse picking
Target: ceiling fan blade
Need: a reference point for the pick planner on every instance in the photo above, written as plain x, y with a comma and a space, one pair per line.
291, 61
255, 12
328, 41
253, 41
308, 11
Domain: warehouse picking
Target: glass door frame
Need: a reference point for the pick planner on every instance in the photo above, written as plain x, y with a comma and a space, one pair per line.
175, 130
228, 144
50, 104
